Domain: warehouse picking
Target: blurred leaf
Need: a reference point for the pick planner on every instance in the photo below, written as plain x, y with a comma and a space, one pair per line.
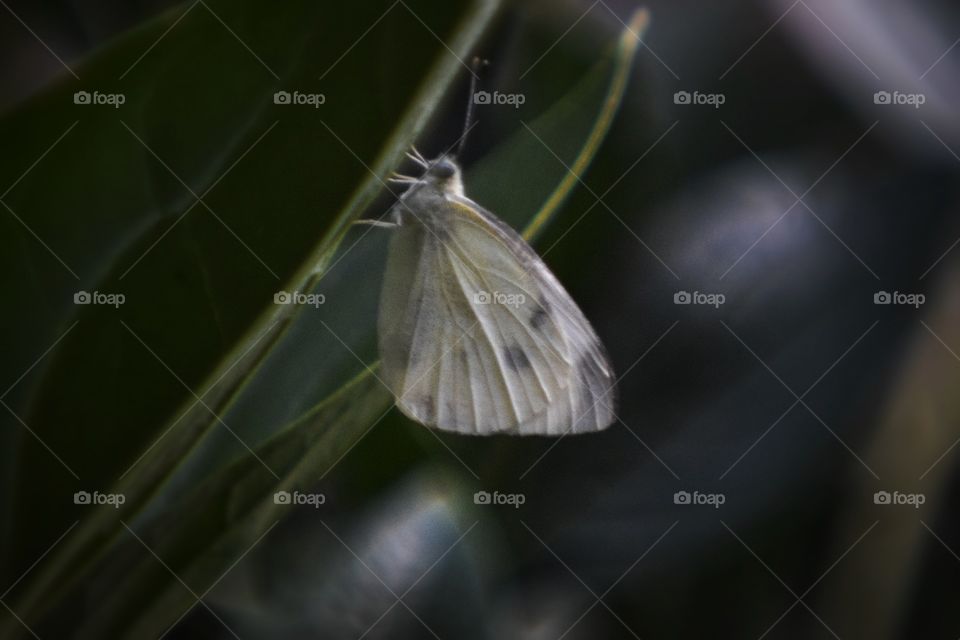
558, 148
327, 344
198, 278
237, 503
910, 451
228, 513
303, 582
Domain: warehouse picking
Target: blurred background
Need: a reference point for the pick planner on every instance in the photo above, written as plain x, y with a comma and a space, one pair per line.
766, 242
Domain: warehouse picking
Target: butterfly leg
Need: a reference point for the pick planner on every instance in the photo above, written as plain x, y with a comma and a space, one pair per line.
378, 223
419, 155
402, 179
420, 160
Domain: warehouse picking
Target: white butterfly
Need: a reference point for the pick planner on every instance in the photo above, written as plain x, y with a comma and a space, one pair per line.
476, 335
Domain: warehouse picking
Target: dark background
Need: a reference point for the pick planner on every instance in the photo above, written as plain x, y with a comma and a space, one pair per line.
798, 199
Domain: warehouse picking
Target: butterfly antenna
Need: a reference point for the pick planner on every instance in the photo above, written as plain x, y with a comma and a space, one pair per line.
475, 67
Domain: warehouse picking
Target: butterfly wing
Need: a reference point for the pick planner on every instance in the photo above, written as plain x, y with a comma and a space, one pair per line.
477, 335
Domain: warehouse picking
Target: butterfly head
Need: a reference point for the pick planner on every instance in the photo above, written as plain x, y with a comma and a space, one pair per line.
443, 174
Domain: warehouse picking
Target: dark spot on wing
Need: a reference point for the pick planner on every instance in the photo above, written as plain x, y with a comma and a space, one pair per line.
540, 315
516, 358
538, 318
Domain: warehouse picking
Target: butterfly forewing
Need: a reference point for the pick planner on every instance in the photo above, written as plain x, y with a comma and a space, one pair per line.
477, 336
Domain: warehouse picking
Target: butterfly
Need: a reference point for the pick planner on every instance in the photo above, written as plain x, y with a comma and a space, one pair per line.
476, 335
